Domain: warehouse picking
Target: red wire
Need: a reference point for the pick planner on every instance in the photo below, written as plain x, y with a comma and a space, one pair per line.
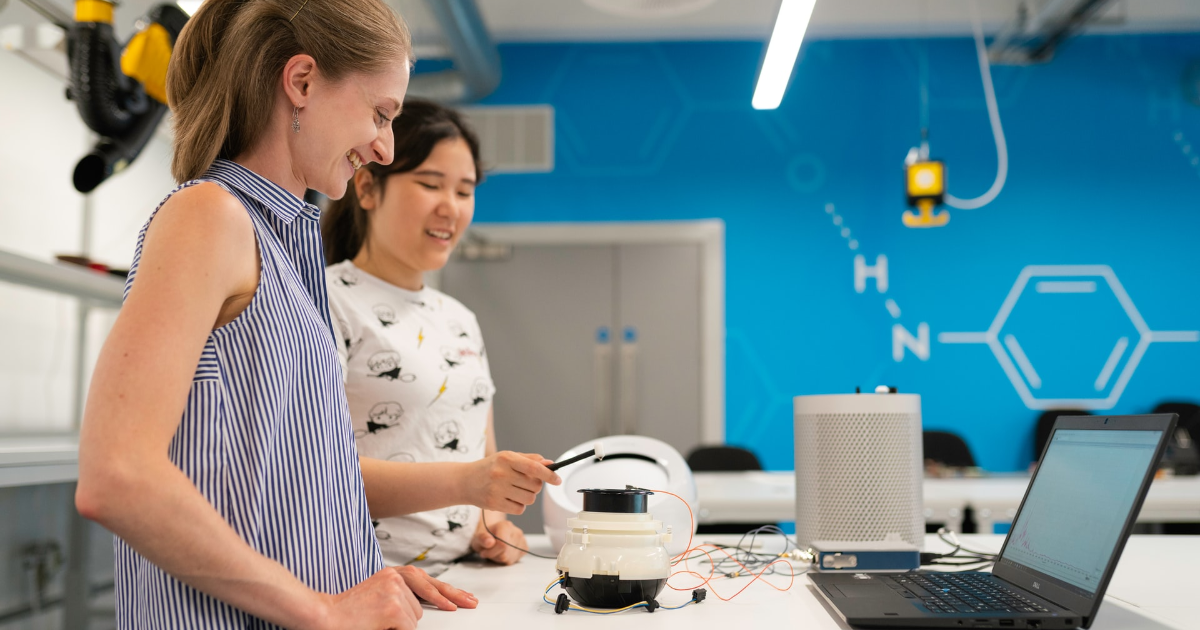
707, 581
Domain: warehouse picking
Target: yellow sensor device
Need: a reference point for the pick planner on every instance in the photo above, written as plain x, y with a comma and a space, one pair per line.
925, 184
926, 180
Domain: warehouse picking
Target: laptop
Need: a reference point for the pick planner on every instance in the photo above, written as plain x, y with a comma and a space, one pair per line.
1059, 554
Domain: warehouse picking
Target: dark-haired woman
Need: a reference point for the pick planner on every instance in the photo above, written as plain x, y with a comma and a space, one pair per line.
216, 442
417, 378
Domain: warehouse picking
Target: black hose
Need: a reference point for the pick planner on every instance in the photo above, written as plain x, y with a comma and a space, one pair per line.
111, 155
110, 103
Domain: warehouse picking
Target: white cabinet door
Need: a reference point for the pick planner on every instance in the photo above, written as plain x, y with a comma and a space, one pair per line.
540, 311
586, 340
659, 355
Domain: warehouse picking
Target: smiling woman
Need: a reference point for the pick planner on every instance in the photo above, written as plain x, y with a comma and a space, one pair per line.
215, 441
434, 151
417, 378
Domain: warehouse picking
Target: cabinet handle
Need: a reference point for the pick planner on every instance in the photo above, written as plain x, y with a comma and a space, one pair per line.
628, 408
602, 382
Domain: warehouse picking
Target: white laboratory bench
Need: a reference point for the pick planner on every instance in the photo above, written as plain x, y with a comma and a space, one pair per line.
770, 496
1153, 589
29, 460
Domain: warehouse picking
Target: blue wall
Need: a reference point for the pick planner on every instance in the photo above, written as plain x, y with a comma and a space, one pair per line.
1102, 173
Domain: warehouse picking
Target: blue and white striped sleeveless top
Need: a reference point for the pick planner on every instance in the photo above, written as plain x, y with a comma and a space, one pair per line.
266, 434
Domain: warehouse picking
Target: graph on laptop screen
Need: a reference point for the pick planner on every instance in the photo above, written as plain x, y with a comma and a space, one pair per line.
1084, 490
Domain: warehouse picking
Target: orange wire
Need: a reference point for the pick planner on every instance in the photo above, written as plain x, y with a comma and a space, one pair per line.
707, 581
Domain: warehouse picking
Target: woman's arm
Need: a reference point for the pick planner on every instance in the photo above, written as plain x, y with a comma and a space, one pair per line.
505, 481
198, 270
485, 543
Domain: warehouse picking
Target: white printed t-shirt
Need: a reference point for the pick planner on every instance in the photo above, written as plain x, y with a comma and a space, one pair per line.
419, 389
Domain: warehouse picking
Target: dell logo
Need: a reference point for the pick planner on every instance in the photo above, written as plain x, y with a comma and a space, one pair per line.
1036, 585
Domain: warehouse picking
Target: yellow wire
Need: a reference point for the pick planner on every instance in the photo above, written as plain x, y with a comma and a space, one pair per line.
577, 607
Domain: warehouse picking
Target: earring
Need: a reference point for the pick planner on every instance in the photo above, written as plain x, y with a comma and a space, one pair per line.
295, 120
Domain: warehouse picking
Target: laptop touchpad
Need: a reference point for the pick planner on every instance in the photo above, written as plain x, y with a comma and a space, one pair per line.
864, 590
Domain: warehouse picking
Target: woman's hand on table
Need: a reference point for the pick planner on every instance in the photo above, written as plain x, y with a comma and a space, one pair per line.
383, 600
436, 592
489, 548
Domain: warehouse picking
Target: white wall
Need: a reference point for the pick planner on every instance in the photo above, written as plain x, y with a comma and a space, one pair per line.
41, 215
41, 138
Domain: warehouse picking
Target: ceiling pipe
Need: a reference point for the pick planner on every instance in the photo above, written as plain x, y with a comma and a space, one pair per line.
50, 11
476, 70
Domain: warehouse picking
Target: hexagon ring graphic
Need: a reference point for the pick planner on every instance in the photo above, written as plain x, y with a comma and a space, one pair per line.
1069, 336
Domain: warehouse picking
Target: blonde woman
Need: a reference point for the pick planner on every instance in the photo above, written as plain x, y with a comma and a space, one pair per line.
216, 442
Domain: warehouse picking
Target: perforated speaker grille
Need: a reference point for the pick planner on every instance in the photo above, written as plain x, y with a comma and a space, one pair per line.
858, 477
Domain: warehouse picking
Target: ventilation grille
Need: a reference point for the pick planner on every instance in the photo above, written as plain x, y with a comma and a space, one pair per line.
649, 8
858, 477
514, 139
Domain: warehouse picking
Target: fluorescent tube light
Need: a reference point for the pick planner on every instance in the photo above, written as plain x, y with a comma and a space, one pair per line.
790, 25
189, 6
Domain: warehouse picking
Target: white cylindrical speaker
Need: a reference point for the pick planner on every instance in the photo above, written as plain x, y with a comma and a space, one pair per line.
859, 468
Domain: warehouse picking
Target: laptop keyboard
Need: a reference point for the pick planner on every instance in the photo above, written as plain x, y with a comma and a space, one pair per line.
962, 593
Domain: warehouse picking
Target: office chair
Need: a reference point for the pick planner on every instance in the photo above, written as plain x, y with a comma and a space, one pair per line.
947, 449
1183, 452
723, 459
1045, 423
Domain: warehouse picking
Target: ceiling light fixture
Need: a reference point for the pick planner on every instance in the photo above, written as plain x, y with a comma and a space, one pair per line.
790, 25
189, 6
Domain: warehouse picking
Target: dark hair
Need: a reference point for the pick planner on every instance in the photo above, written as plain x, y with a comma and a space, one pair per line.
419, 128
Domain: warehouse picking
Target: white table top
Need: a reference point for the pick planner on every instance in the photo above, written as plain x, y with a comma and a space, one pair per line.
770, 496
1153, 589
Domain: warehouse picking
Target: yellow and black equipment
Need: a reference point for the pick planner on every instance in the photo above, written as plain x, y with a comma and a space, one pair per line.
925, 185
120, 91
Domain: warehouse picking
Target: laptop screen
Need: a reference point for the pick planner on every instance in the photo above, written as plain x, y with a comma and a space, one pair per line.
1076, 510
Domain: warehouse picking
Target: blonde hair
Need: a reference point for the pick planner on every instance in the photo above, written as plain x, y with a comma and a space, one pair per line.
227, 63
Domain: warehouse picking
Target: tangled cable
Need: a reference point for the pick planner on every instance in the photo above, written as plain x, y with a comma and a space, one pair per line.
962, 558
563, 603
737, 556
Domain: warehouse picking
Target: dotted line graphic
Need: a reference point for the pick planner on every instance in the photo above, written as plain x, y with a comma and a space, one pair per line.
893, 309
845, 231
1188, 151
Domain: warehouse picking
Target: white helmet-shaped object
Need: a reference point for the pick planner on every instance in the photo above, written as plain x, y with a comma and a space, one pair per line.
632, 460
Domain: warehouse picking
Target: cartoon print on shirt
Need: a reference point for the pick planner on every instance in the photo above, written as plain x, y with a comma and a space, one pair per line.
386, 365
457, 329
420, 336
452, 357
456, 518
381, 534
351, 346
441, 390
347, 278
406, 458
423, 555
422, 304
385, 314
481, 389
447, 436
385, 415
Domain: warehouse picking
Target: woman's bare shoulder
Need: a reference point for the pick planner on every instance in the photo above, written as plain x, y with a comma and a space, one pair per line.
203, 228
